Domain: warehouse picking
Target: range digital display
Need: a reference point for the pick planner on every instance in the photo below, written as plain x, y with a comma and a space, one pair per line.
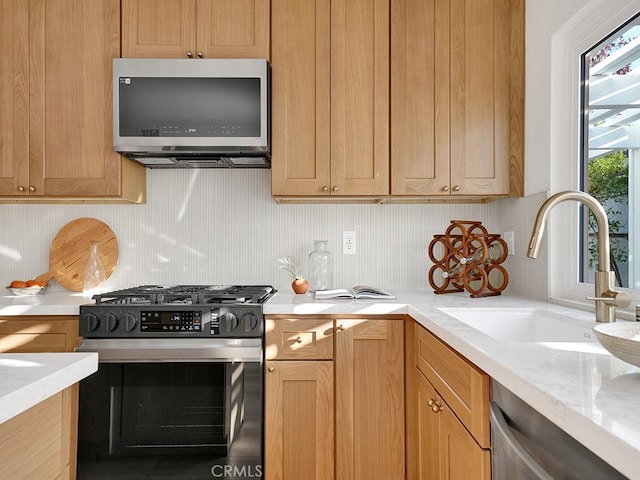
171, 321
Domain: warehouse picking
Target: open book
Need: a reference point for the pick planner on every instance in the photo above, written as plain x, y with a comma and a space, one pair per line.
360, 291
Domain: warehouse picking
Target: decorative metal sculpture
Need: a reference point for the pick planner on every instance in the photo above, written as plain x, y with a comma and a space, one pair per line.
467, 257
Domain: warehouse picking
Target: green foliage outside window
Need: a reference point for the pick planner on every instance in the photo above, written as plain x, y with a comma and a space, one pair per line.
608, 179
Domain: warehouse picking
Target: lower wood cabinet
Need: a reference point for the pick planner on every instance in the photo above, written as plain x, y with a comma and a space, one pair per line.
448, 419
45, 436
35, 444
349, 399
299, 424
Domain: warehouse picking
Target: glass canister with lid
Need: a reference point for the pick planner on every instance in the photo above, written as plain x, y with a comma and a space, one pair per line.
320, 266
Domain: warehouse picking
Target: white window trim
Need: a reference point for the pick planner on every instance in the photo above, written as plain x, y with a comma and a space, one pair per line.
588, 26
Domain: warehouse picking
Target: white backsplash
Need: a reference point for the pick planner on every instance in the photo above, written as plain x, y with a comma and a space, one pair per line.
222, 227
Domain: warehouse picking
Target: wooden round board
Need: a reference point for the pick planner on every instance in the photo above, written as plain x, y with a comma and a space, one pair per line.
70, 251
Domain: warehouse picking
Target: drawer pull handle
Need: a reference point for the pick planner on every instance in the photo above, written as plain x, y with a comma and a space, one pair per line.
299, 340
340, 328
271, 368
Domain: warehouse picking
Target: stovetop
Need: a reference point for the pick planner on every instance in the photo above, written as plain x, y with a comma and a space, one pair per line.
187, 295
149, 311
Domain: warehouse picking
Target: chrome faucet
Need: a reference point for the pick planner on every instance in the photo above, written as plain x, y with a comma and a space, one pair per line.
606, 298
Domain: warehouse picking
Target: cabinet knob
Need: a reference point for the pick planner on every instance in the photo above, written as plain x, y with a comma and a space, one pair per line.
299, 340
335, 188
340, 328
32, 188
456, 188
271, 368
190, 54
325, 188
200, 55
435, 406
20, 188
445, 188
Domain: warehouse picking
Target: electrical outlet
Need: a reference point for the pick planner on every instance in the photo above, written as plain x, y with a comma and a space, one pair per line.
509, 239
348, 243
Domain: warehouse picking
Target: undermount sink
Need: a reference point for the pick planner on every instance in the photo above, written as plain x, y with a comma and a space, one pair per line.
524, 324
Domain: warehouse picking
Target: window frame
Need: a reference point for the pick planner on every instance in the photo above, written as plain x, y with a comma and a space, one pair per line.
586, 28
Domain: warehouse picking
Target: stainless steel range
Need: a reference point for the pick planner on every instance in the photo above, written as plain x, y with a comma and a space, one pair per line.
179, 386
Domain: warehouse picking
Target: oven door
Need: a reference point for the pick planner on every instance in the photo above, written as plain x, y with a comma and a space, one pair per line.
172, 408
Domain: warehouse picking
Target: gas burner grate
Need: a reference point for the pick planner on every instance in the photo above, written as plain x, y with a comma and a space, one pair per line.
187, 295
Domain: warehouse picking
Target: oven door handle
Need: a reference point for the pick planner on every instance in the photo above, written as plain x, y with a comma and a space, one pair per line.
131, 350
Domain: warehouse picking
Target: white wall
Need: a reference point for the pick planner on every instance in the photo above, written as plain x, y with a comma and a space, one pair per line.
221, 227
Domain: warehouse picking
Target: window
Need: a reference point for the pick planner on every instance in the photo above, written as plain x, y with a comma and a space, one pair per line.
610, 153
590, 28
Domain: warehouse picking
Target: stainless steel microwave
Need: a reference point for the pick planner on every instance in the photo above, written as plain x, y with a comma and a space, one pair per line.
173, 113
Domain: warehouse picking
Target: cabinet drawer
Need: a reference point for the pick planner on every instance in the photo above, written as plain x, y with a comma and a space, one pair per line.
461, 384
289, 338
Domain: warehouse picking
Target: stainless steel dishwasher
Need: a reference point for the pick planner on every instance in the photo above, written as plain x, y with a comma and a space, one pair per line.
527, 446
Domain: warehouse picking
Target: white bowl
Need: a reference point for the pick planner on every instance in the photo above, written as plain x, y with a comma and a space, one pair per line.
26, 291
621, 339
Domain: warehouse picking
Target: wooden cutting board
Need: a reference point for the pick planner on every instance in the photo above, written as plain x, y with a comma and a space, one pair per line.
70, 250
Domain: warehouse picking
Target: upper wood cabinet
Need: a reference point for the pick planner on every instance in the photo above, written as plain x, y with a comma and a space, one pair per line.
195, 28
330, 90
397, 99
56, 113
457, 101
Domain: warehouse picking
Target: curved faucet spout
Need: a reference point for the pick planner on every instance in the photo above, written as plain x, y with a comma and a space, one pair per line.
606, 298
604, 262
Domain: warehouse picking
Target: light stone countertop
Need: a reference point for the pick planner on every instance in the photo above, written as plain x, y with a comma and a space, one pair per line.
580, 387
48, 303
590, 394
27, 379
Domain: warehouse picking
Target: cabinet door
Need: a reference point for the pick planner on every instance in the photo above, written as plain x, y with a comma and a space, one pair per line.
300, 101
72, 45
233, 28
14, 88
480, 90
299, 432
420, 97
369, 370
360, 97
159, 28
427, 442
461, 458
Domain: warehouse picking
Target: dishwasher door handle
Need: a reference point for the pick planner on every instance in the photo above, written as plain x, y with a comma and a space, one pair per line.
512, 447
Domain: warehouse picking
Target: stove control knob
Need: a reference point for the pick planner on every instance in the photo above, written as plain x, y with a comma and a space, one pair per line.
249, 321
111, 322
130, 321
230, 321
91, 322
